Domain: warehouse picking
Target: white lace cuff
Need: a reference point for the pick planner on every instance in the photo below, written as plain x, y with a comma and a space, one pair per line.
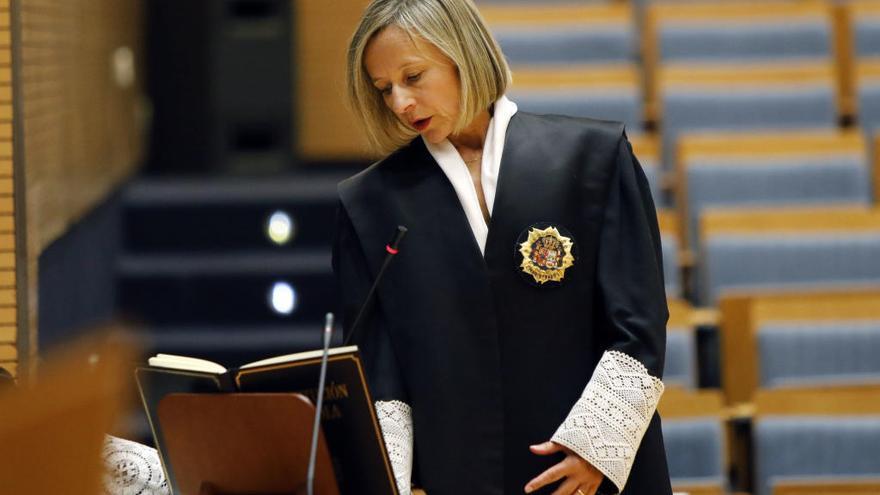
131, 468
607, 423
395, 419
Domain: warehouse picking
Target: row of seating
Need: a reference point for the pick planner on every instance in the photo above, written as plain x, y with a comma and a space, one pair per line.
800, 407
704, 65
766, 249
766, 200
748, 175
816, 441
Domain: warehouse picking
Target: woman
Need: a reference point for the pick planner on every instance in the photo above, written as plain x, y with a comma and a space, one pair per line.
518, 338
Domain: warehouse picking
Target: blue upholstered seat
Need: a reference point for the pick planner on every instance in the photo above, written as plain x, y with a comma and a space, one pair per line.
680, 366
866, 34
714, 41
866, 45
815, 447
762, 180
695, 451
671, 275
654, 174
566, 43
623, 104
745, 107
869, 104
819, 353
787, 260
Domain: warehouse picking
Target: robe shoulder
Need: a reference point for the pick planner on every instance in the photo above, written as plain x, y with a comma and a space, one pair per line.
567, 134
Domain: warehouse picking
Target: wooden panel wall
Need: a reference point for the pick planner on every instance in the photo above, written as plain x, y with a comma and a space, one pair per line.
324, 127
8, 307
83, 119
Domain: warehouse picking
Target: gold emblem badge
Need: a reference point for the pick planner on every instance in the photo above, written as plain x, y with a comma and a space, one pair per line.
546, 254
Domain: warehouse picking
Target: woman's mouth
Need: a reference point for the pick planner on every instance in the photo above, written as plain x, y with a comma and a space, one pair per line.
421, 124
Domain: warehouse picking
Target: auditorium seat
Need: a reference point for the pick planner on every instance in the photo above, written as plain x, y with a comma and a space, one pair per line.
680, 365
749, 250
815, 448
669, 235
537, 33
608, 92
796, 339
861, 62
696, 442
865, 20
647, 150
734, 34
868, 81
769, 169
828, 487
772, 97
740, 30
810, 353
816, 437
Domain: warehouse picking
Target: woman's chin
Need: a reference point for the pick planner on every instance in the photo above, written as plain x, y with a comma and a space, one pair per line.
434, 136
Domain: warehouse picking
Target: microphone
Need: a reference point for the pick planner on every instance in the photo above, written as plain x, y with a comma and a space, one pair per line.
392, 248
313, 451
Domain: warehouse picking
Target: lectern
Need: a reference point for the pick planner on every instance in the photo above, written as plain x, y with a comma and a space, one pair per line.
243, 444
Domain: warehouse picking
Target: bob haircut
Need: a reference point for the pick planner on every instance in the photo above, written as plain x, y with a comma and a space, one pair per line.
453, 26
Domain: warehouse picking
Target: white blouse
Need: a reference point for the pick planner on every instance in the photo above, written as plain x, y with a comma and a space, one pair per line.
457, 171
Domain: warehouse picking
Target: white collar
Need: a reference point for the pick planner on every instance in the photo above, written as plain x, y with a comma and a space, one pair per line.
457, 172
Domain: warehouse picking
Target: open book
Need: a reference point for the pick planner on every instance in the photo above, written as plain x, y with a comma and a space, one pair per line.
348, 418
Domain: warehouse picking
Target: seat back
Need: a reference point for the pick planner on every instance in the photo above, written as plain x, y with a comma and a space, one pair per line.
817, 436
702, 98
647, 150
736, 170
787, 250
744, 315
537, 33
740, 30
680, 364
696, 440
669, 236
815, 447
609, 92
804, 353
730, 33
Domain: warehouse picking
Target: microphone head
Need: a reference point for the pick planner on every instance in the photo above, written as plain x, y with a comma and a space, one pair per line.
398, 236
328, 323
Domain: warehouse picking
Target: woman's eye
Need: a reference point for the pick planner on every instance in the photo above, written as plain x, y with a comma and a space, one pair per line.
413, 78
385, 91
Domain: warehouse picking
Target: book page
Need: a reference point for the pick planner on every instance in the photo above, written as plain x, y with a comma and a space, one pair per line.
172, 361
299, 356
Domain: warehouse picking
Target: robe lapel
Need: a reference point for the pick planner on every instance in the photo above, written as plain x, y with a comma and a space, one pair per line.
437, 212
515, 189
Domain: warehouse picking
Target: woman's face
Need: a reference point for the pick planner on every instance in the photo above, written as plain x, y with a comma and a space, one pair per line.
417, 81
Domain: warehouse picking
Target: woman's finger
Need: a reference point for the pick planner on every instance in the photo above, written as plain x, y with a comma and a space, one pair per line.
568, 487
546, 448
554, 473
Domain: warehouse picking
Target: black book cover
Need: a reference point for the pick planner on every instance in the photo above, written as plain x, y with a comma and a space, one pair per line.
155, 383
348, 418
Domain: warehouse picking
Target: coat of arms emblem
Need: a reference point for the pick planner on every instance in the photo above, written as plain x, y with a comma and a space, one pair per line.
546, 254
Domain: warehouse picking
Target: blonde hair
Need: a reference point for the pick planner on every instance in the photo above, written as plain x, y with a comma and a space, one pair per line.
453, 26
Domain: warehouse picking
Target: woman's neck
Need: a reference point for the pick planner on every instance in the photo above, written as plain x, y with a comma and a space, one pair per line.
473, 136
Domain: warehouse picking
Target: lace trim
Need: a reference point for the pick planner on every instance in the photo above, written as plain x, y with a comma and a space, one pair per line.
607, 423
395, 419
131, 468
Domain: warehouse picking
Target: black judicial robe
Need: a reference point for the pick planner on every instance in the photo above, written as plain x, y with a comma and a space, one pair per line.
489, 362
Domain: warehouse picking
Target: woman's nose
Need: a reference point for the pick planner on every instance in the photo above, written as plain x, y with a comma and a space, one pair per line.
401, 101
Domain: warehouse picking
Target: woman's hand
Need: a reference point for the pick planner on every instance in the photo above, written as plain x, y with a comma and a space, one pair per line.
581, 478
